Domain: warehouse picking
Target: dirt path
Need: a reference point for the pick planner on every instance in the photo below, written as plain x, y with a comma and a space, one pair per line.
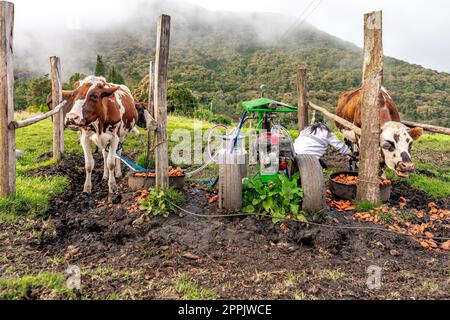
234, 258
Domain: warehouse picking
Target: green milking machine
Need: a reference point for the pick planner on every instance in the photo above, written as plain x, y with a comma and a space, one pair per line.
274, 146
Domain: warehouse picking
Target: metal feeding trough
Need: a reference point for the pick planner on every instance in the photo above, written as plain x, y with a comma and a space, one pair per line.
138, 182
348, 192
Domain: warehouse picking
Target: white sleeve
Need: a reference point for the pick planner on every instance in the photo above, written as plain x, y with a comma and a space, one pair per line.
338, 145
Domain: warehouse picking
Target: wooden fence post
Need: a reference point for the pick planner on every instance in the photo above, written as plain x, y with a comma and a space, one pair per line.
162, 134
303, 103
58, 121
151, 110
368, 186
7, 135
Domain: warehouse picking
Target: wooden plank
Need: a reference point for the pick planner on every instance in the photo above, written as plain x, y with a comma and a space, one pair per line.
336, 118
58, 121
368, 186
302, 102
427, 127
7, 136
28, 122
161, 68
151, 110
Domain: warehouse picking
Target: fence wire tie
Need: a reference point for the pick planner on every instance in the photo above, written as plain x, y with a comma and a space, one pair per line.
367, 181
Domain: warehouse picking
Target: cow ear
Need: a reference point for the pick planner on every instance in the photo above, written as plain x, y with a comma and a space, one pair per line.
415, 133
106, 92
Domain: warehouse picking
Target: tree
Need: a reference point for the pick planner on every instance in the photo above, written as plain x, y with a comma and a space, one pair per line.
20, 95
114, 76
179, 96
76, 77
38, 89
100, 69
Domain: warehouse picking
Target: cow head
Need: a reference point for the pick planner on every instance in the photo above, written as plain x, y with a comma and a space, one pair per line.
141, 107
87, 103
396, 142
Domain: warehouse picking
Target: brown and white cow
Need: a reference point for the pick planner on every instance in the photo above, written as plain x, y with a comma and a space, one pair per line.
104, 113
396, 139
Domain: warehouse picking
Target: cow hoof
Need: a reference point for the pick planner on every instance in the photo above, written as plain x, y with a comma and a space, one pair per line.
87, 189
105, 177
113, 189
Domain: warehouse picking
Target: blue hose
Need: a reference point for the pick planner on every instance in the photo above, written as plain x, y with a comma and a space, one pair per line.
239, 131
131, 164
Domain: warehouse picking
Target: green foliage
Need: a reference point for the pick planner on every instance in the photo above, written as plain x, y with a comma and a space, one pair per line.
38, 89
191, 290
100, 69
228, 66
203, 114
74, 78
33, 196
40, 108
114, 76
434, 187
179, 97
222, 119
162, 202
45, 286
279, 199
366, 206
20, 95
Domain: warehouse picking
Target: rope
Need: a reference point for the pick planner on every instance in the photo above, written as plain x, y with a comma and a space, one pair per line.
367, 181
322, 225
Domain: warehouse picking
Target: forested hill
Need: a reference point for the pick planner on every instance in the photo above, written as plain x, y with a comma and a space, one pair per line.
224, 58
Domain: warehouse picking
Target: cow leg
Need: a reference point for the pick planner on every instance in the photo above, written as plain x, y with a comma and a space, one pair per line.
112, 164
105, 165
118, 170
88, 162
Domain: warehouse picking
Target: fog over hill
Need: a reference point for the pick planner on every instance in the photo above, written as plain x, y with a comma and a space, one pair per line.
77, 41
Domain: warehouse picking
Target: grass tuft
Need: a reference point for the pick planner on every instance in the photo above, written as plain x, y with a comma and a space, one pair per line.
44, 286
191, 291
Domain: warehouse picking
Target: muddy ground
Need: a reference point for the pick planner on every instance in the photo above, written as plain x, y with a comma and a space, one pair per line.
225, 258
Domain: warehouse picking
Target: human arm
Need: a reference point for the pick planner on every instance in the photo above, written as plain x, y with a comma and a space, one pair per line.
338, 145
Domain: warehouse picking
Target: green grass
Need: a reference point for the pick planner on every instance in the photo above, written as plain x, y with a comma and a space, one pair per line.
191, 291
32, 197
433, 142
41, 286
365, 206
443, 172
433, 187
35, 193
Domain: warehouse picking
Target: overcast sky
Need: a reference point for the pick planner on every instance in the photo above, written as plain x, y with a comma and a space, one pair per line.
417, 31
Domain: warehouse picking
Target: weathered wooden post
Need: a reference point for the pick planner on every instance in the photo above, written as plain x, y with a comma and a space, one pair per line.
302, 102
368, 186
162, 134
58, 121
151, 110
7, 135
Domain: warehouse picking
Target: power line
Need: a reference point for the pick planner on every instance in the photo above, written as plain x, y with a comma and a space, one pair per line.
295, 25
288, 30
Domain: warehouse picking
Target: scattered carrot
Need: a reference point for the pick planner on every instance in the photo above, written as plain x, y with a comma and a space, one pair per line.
350, 180
446, 246
173, 172
213, 199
